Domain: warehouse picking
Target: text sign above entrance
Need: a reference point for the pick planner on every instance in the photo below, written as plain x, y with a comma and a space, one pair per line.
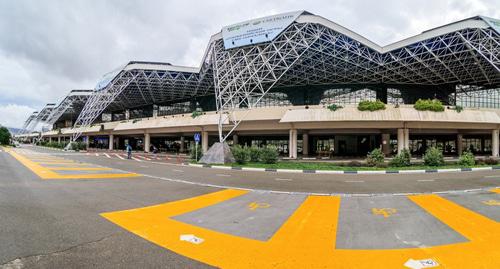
257, 30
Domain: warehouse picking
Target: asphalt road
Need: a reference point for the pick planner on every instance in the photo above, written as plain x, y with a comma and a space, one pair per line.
56, 223
309, 183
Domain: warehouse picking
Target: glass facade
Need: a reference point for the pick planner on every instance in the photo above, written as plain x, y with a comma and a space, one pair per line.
489, 98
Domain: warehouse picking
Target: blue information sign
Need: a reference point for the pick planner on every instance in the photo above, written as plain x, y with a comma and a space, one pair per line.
197, 137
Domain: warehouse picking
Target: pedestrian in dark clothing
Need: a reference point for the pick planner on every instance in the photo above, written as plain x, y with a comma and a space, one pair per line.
129, 151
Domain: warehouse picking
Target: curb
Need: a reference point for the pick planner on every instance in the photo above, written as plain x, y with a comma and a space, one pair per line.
350, 172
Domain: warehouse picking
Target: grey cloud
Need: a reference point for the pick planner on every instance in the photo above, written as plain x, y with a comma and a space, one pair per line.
52, 46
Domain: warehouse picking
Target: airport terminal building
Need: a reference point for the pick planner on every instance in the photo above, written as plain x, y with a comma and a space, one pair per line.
270, 80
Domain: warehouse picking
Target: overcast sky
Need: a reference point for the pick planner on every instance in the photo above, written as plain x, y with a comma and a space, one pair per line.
49, 47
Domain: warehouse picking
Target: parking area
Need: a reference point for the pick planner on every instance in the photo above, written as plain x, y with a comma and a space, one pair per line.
51, 166
234, 228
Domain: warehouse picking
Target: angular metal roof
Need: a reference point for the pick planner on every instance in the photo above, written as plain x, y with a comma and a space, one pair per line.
72, 104
310, 51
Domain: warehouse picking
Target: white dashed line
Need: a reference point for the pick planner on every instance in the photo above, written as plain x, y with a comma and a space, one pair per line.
425, 180
283, 179
119, 156
177, 170
222, 175
144, 166
491, 176
354, 181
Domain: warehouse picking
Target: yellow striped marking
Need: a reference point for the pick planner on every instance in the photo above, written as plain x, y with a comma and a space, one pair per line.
307, 238
48, 173
496, 190
80, 168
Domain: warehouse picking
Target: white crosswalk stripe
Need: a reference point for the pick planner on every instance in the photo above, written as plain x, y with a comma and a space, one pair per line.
117, 155
97, 154
135, 159
107, 155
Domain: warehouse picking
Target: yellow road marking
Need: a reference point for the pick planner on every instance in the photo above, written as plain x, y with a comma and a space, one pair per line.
48, 173
386, 212
492, 202
80, 168
307, 238
254, 205
496, 190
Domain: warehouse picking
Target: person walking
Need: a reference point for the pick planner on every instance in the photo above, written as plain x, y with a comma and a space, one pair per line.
129, 151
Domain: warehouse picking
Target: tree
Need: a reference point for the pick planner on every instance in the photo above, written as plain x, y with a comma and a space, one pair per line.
4, 136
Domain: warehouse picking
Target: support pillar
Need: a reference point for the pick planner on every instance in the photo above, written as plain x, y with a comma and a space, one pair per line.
111, 142
401, 140
460, 145
204, 141
147, 142
183, 144
59, 139
386, 144
495, 143
235, 139
127, 114
292, 144
407, 138
87, 142
305, 144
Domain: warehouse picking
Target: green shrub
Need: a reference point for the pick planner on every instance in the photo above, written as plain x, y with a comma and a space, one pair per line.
466, 159
4, 136
459, 109
254, 154
402, 159
269, 154
430, 105
196, 113
375, 158
195, 152
334, 107
433, 157
371, 105
241, 154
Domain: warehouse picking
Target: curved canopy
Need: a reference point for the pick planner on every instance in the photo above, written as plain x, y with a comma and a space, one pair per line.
311, 50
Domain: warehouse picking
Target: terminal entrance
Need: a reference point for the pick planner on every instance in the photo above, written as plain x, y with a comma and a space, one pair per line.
343, 145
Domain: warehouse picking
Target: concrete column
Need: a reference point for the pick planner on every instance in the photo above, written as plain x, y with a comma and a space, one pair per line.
127, 114
183, 144
292, 144
59, 139
147, 142
235, 139
407, 138
494, 143
305, 144
87, 142
386, 144
460, 145
204, 141
111, 142
401, 140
